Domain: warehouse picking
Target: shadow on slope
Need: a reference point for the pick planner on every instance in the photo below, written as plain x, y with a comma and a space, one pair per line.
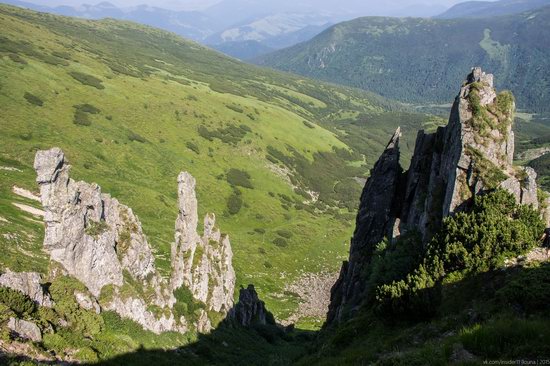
228, 345
496, 315
499, 314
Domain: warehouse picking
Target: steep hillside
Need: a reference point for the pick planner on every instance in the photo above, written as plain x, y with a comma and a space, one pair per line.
481, 9
190, 24
419, 60
133, 106
445, 265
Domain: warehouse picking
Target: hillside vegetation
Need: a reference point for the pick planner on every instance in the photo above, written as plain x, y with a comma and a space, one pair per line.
133, 106
419, 60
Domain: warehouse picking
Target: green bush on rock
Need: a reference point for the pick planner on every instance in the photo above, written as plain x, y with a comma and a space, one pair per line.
468, 243
17, 301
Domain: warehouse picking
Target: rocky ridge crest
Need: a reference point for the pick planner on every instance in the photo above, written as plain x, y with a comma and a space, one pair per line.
100, 242
471, 155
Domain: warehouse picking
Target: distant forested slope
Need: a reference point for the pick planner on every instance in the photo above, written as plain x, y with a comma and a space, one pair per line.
419, 60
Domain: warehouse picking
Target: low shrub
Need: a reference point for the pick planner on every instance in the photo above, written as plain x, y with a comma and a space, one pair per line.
33, 99
284, 233
241, 178
234, 108
17, 301
87, 79
280, 242
82, 322
81, 118
193, 147
468, 243
87, 108
308, 125
234, 203
132, 136
229, 135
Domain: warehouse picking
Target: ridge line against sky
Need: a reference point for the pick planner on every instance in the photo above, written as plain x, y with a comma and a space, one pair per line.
328, 5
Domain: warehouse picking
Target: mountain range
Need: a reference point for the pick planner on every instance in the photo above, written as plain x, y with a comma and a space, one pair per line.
117, 137
395, 57
240, 28
482, 9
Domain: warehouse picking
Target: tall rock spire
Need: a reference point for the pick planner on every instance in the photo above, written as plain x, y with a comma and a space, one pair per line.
98, 241
471, 155
202, 264
375, 220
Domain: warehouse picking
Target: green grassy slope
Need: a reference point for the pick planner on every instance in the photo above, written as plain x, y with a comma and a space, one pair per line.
419, 60
132, 106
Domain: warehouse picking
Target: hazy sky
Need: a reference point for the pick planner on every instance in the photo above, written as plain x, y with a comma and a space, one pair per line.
197, 4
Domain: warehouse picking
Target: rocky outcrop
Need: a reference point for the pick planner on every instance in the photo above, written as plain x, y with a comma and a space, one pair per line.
91, 234
250, 310
25, 329
375, 220
202, 264
471, 155
29, 283
100, 241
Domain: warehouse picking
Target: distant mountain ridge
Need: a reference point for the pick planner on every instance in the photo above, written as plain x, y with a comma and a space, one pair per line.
244, 29
269, 33
480, 9
416, 60
240, 35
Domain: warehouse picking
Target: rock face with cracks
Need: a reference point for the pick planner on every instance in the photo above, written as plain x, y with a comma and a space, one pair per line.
100, 242
471, 155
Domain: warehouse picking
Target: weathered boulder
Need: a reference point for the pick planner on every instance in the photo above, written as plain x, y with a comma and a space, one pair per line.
25, 329
250, 310
471, 155
28, 283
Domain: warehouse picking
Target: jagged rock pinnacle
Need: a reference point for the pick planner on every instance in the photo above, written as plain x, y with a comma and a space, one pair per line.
471, 155
96, 239
394, 141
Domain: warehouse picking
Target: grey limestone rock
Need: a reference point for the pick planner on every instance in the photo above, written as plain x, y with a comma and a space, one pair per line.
28, 283
25, 329
202, 264
96, 239
87, 301
375, 220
